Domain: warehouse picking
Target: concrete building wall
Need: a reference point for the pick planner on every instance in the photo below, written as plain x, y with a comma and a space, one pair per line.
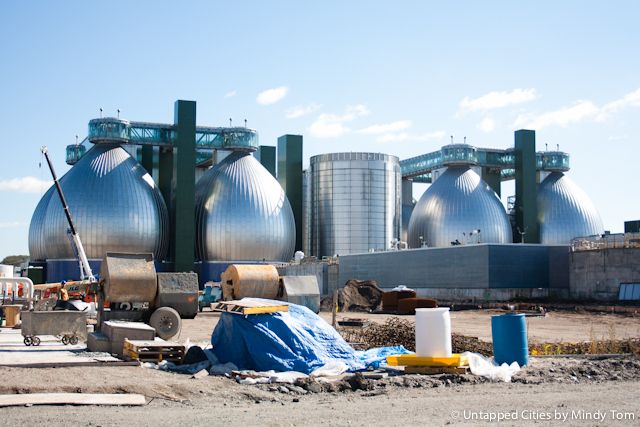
462, 267
598, 274
467, 273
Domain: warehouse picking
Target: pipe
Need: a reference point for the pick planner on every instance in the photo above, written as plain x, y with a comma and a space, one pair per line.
15, 282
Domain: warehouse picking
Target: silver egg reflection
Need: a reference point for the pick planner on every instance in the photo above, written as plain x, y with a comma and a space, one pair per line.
565, 211
242, 213
458, 208
115, 207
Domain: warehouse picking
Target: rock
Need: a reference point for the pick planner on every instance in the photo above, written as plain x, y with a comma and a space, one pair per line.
358, 382
314, 387
283, 389
296, 389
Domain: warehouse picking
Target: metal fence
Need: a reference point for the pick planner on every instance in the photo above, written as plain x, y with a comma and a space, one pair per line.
606, 241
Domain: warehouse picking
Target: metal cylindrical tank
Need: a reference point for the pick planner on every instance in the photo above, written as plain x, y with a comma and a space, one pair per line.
115, 206
354, 203
459, 208
242, 213
565, 211
250, 281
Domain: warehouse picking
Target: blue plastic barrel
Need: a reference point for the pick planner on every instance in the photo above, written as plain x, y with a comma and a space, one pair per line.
510, 343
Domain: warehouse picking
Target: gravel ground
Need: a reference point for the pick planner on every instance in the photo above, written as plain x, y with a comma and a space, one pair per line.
579, 389
575, 387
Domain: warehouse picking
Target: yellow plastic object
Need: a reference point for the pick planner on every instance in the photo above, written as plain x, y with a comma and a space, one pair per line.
413, 360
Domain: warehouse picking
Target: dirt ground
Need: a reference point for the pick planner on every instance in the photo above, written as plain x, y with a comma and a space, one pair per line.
554, 327
415, 400
551, 391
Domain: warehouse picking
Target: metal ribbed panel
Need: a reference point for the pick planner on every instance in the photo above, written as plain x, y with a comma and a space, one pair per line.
115, 206
306, 212
354, 202
565, 211
242, 213
454, 207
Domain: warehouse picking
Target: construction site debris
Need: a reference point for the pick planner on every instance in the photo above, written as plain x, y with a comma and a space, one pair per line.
71, 399
360, 295
409, 305
296, 340
604, 346
153, 351
396, 331
390, 299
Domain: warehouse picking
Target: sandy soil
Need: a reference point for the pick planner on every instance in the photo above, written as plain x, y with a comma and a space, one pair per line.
580, 389
554, 327
176, 399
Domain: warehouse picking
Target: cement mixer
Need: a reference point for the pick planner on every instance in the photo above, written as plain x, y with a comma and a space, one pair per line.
132, 290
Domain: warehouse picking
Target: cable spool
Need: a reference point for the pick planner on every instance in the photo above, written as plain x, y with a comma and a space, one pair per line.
250, 281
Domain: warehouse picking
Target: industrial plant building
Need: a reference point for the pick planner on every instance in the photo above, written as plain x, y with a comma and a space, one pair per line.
200, 198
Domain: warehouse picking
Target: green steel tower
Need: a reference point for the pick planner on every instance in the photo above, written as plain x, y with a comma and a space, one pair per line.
290, 177
266, 155
526, 205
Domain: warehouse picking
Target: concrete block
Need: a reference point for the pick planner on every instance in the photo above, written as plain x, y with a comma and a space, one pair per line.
178, 291
114, 328
116, 332
98, 342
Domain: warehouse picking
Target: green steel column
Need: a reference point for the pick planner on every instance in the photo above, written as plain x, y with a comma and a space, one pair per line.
185, 181
165, 175
406, 207
290, 177
526, 192
492, 177
147, 158
266, 155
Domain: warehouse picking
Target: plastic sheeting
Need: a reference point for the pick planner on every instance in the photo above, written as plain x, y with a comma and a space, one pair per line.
488, 368
297, 340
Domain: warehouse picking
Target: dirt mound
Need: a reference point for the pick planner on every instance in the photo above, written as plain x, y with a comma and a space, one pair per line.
360, 295
396, 331
357, 295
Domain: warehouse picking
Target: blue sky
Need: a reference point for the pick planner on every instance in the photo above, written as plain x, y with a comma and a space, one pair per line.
394, 77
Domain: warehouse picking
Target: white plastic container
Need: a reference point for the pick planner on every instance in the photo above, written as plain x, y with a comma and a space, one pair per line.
433, 332
6, 270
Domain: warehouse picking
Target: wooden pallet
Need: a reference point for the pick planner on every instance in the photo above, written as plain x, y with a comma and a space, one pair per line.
248, 307
434, 370
153, 351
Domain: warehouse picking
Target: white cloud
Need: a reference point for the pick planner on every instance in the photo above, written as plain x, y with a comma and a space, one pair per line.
386, 127
403, 136
15, 224
578, 112
27, 184
271, 96
230, 94
301, 110
333, 125
487, 125
493, 100
631, 99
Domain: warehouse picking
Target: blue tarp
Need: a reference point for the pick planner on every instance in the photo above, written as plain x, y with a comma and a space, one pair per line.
297, 340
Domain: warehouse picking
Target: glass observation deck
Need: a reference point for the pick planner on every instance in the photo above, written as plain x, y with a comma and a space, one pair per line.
420, 168
116, 130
